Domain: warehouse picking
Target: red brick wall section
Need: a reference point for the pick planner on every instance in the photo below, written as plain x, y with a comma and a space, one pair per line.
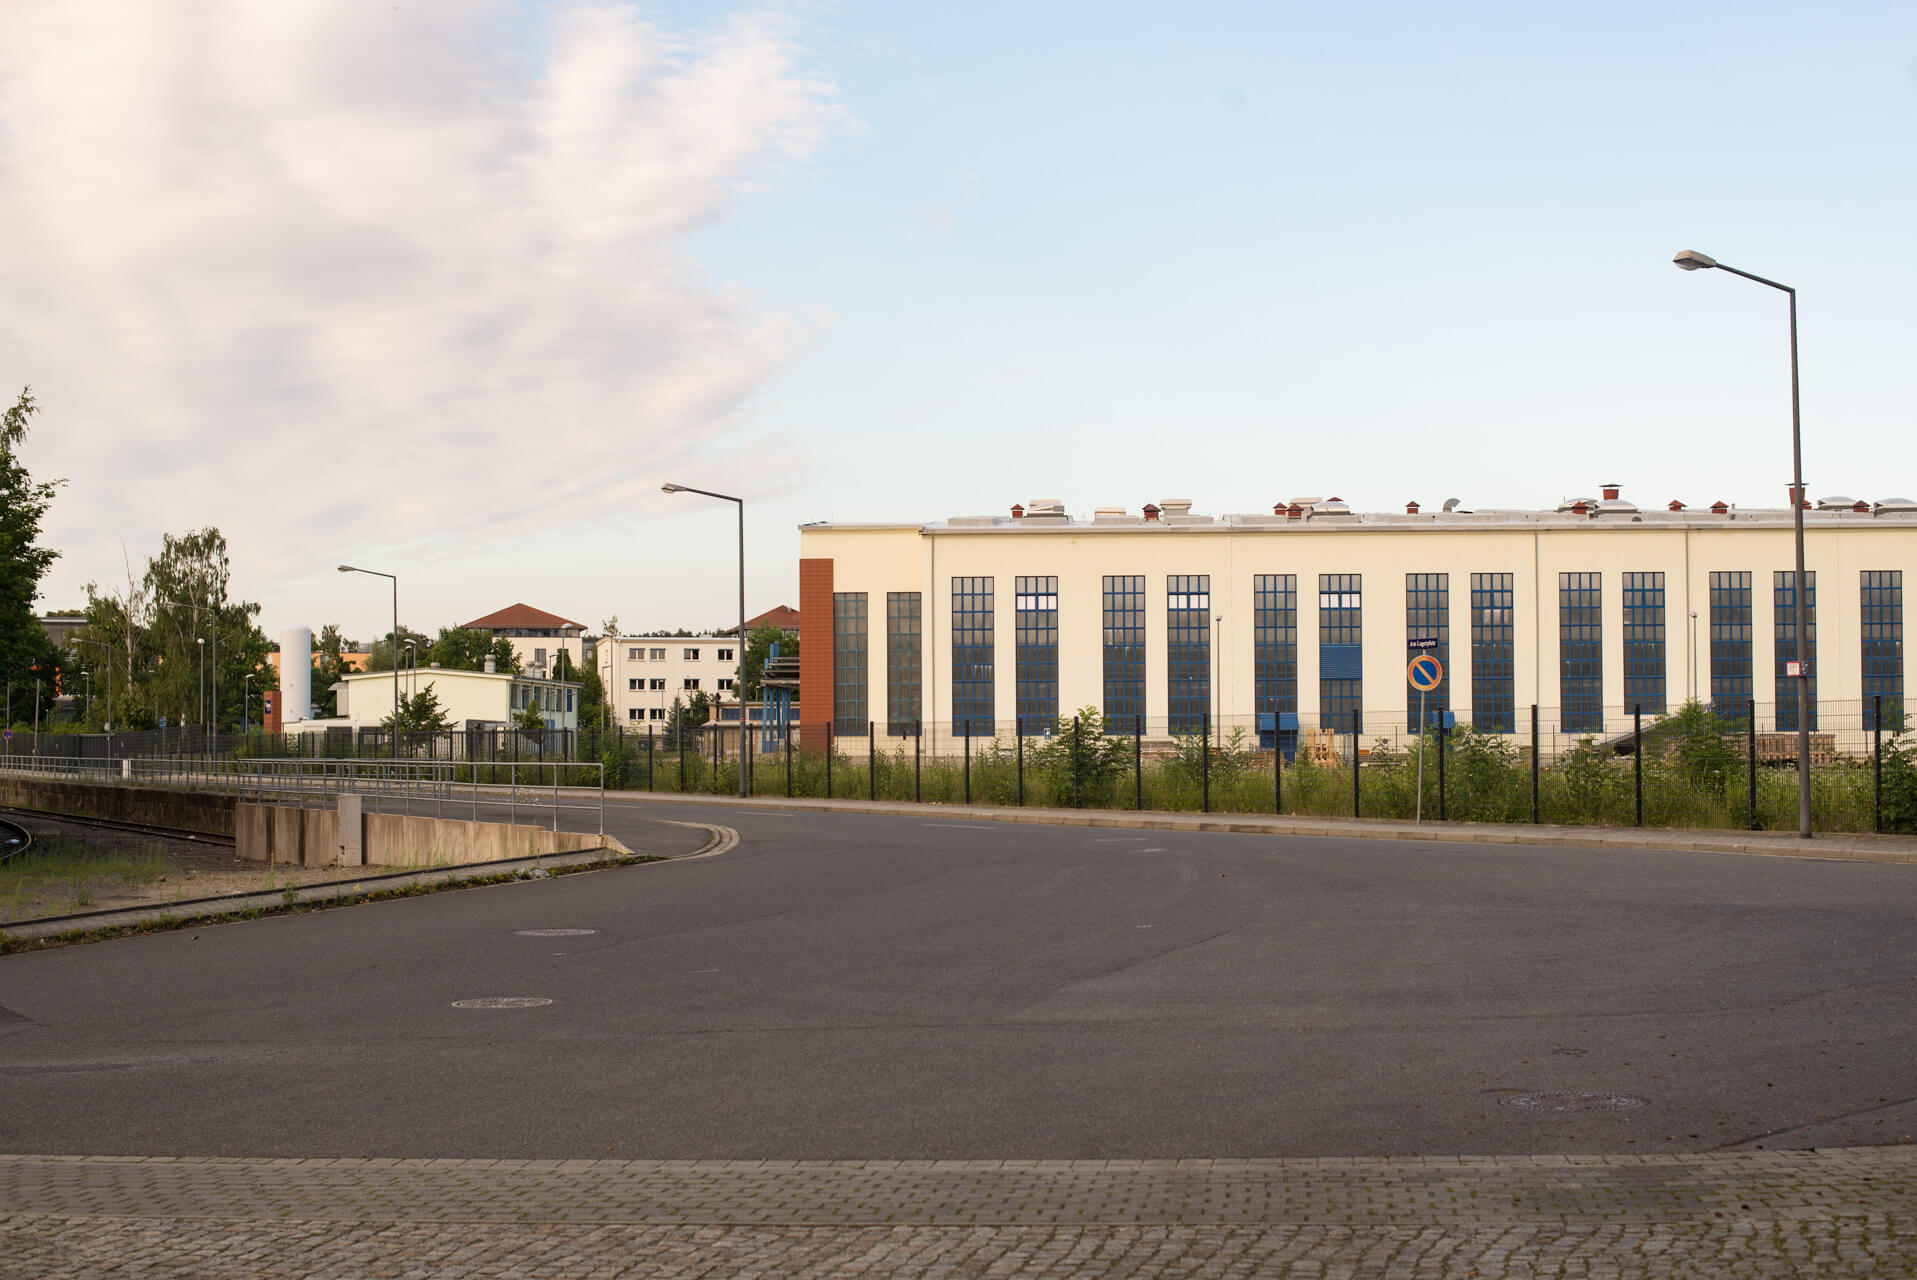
815, 653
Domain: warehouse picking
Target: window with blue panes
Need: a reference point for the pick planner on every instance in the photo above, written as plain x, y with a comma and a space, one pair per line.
849, 707
904, 651
1187, 651
1493, 617
1427, 615
1123, 629
1784, 637
1035, 651
1341, 651
1644, 642
973, 686
1883, 646
1580, 653
1730, 642
1274, 644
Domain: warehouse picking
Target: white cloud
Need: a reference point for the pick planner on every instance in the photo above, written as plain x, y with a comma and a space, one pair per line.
315, 265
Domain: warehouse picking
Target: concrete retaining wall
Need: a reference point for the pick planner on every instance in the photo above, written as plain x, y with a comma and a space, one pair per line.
207, 811
310, 838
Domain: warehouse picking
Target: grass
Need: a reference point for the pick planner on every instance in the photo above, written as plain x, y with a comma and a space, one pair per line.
61, 874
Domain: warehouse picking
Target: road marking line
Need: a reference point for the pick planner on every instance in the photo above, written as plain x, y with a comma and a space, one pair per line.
966, 826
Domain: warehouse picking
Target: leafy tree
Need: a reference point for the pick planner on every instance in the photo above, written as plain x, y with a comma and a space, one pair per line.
758, 649
185, 593
684, 718
562, 666
329, 664
1079, 745
419, 713
25, 651
380, 656
463, 650
592, 700
530, 720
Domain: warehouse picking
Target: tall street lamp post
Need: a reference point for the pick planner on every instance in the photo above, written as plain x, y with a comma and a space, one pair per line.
109, 680
246, 704
394, 578
199, 704
1692, 260
737, 689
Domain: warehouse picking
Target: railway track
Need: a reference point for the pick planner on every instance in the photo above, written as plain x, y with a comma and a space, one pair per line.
174, 833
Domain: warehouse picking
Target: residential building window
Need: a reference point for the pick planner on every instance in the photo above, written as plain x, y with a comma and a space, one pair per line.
1187, 652
1427, 616
1883, 644
903, 663
1785, 649
725, 655
1493, 611
634, 713
1581, 653
1644, 647
725, 684
635, 684
635, 655
1274, 645
658, 655
1123, 630
658, 682
973, 684
1035, 652
692, 655
692, 682
1730, 644
850, 713
539, 657
1341, 651
655, 713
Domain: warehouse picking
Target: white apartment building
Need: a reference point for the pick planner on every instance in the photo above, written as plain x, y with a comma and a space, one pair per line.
644, 674
1295, 620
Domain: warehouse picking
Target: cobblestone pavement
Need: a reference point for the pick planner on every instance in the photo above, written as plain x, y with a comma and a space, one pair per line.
1799, 1213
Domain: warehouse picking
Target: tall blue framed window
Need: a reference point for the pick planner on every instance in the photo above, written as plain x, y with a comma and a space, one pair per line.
1644, 646
1883, 643
1427, 616
1035, 651
973, 687
1341, 630
1274, 642
1493, 696
1123, 631
1187, 651
904, 641
1730, 644
1784, 639
1581, 652
849, 707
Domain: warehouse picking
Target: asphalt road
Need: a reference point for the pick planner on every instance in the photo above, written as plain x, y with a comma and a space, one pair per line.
847, 986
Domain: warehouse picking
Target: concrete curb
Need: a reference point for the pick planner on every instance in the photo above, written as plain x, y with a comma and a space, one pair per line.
1845, 847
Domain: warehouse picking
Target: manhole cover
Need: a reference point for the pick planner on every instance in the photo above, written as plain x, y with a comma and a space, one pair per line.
1558, 1103
555, 933
502, 1002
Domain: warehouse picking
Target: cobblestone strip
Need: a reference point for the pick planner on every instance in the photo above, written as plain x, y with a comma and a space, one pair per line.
1782, 1186
44, 1245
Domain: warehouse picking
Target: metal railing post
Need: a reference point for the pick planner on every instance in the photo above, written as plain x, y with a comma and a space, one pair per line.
1138, 762
1277, 768
1018, 732
788, 761
918, 753
968, 760
828, 760
554, 766
1750, 748
1204, 763
1534, 763
1077, 801
1877, 763
871, 761
1637, 760
1357, 810
1444, 736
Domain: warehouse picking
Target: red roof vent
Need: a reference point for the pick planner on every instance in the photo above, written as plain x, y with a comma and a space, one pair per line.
1018, 511
1610, 492
1719, 507
1151, 511
1294, 512
1579, 509
1860, 505
1411, 508
1278, 509
1676, 505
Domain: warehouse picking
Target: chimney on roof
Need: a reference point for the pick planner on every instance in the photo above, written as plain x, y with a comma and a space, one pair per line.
1610, 492
1860, 505
1278, 508
1720, 507
492, 665
1294, 512
1676, 505
1151, 511
1579, 509
1018, 512
1411, 508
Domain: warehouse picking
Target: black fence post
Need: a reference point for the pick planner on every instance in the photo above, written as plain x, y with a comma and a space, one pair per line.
1077, 802
1277, 768
968, 760
1356, 809
1204, 763
1018, 731
718, 745
788, 760
1637, 759
1444, 740
1534, 763
828, 760
918, 755
1750, 750
1138, 762
681, 744
871, 761
649, 759
1877, 762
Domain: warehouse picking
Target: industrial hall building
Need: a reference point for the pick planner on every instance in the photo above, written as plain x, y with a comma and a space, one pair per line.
1167, 621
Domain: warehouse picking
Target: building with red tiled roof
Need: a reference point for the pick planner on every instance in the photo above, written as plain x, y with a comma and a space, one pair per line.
538, 637
784, 617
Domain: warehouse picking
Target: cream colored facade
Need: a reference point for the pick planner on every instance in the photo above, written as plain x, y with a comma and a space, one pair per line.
643, 675
470, 699
1611, 539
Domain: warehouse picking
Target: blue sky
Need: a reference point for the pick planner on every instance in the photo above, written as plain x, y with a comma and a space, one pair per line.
955, 257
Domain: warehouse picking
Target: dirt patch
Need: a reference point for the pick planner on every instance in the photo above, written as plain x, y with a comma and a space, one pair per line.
74, 866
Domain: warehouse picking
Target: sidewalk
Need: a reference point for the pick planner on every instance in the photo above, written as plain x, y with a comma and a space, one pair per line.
1843, 846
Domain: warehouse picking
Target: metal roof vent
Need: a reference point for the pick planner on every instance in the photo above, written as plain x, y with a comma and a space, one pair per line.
1175, 506
1836, 504
1895, 505
1452, 504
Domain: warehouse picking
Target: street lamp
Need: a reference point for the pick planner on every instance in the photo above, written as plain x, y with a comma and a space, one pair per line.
1693, 653
347, 568
199, 706
737, 690
246, 704
109, 683
412, 669
1692, 260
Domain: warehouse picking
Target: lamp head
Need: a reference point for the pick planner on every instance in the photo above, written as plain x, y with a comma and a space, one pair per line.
347, 568
672, 488
1692, 260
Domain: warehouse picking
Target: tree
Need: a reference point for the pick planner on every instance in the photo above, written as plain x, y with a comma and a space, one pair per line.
418, 713
758, 649
562, 665
380, 656
592, 700
685, 717
329, 664
25, 651
463, 650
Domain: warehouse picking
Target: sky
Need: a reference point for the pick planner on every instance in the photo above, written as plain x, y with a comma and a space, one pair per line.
450, 288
